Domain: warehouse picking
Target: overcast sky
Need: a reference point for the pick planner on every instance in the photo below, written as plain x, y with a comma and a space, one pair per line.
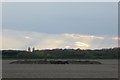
59, 25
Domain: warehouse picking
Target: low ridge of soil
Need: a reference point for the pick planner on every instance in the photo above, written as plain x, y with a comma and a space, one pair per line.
53, 62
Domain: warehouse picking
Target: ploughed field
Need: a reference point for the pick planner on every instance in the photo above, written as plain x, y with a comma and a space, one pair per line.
107, 69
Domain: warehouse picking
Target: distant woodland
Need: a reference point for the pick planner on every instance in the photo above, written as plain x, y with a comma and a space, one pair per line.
111, 53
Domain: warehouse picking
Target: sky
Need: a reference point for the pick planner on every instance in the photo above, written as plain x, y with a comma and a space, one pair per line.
48, 25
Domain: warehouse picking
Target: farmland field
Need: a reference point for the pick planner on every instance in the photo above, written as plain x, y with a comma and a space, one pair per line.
108, 69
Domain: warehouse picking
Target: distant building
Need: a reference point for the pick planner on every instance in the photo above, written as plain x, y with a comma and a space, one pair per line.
29, 49
33, 49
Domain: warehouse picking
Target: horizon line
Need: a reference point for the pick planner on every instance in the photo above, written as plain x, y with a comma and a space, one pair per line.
61, 48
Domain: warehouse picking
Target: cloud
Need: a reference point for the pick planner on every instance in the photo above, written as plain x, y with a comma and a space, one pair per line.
80, 44
49, 43
83, 36
13, 39
116, 38
27, 37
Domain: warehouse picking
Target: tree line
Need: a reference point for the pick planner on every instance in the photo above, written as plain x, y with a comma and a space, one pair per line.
111, 53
